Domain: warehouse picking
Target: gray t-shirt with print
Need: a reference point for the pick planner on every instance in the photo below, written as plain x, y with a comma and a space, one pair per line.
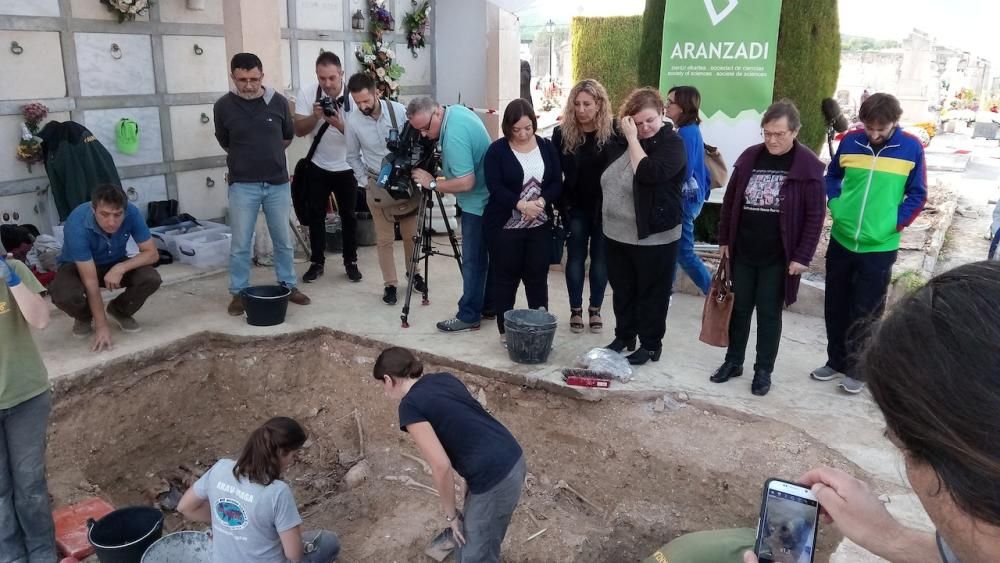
246, 517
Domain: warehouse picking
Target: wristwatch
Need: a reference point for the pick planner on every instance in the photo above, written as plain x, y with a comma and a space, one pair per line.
433, 185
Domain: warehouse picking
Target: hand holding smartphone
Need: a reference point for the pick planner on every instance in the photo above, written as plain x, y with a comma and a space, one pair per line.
789, 520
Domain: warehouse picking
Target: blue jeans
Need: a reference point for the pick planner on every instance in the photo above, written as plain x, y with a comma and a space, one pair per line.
686, 257
582, 231
245, 201
27, 533
475, 264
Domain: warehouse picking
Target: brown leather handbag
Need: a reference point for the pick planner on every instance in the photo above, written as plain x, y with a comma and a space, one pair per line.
718, 308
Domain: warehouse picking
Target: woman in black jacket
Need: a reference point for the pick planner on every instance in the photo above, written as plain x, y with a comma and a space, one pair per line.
641, 209
582, 140
523, 177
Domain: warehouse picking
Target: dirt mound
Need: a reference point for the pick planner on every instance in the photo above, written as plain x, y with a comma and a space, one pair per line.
609, 481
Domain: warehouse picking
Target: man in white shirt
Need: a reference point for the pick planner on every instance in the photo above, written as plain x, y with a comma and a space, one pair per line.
320, 108
367, 130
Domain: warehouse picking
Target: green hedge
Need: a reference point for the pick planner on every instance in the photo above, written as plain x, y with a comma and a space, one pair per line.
808, 62
806, 71
607, 49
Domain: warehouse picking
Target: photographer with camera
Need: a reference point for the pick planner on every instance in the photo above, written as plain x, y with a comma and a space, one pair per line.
325, 169
463, 140
368, 130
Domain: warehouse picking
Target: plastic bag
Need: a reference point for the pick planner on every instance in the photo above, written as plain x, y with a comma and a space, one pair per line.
607, 362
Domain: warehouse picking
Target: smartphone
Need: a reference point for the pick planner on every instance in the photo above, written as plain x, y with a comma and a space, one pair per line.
789, 520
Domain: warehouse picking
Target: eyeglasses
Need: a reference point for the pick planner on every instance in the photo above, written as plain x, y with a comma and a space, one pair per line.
775, 135
430, 120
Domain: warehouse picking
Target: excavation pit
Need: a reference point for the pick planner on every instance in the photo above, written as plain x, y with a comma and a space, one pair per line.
649, 471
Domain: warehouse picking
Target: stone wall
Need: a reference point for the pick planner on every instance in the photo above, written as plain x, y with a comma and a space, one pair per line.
163, 70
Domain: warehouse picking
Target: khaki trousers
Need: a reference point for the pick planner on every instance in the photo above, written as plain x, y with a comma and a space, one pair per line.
385, 236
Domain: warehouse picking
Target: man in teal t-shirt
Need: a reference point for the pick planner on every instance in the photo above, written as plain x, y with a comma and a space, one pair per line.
464, 140
27, 532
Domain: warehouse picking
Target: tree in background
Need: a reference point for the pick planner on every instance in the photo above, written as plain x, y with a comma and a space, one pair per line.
808, 60
606, 49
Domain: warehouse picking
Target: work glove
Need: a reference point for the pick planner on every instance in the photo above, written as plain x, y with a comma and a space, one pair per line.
7, 273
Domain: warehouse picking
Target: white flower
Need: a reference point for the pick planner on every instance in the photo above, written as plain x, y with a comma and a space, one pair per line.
380, 72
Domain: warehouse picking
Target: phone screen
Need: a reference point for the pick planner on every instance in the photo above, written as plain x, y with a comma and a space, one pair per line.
787, 531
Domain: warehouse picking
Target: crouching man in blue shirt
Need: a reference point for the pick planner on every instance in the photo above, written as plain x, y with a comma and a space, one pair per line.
94, 256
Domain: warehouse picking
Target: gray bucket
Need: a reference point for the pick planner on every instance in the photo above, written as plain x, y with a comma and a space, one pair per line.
180, 547
529, 335
365, 233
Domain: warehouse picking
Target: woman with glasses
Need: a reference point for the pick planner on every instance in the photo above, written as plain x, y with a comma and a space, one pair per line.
771, 220
683, 103
582, 139
641, 207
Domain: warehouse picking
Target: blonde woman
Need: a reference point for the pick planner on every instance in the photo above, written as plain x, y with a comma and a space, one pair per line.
587, 126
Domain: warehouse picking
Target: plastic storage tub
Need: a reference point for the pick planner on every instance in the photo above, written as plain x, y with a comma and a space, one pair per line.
204, 249
165, 237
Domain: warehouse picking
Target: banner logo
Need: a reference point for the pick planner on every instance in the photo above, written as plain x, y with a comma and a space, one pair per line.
717, 16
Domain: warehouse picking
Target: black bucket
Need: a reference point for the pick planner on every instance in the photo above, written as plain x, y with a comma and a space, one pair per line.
124, 535
529, 335
265, 305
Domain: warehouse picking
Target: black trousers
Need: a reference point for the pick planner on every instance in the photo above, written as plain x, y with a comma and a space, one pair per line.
760, 287
856, 288
344, 187
640, 278
518, 255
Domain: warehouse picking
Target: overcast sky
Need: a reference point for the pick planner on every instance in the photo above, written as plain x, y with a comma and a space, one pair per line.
972, 25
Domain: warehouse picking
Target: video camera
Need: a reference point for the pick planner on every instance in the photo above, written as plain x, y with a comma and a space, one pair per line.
407, 150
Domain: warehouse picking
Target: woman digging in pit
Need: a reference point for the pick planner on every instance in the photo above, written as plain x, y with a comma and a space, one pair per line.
253, 513
452, 430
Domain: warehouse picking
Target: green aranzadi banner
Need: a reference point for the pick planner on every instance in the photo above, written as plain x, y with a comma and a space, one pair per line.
726, 49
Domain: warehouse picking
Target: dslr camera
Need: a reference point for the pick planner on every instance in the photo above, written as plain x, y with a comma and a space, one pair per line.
407, 150
331, 105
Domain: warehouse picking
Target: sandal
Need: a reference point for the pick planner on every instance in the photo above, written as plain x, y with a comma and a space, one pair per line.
596, 322
576, 320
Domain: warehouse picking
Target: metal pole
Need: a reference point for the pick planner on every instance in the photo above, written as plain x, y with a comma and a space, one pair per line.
550, 56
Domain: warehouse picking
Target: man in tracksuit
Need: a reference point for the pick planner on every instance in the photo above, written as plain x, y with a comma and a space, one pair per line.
876, 186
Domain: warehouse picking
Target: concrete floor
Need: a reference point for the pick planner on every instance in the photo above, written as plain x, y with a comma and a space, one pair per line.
192, 302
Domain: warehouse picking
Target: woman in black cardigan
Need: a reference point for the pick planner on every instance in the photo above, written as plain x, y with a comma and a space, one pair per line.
523, 177
642, 222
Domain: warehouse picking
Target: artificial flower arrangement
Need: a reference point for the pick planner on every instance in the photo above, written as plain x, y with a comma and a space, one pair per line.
377, 57
418, 26
127, 10
29, 150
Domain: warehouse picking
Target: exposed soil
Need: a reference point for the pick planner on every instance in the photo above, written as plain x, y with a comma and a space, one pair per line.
653, 472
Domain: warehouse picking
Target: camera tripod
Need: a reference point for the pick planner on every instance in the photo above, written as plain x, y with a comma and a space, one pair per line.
423, 249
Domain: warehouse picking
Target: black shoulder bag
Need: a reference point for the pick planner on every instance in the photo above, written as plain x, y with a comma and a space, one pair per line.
300, 177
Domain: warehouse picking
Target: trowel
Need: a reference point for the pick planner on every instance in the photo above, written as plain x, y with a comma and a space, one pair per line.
441, 546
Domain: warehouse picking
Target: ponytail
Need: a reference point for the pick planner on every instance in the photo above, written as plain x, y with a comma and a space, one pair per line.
397, 363
260, 461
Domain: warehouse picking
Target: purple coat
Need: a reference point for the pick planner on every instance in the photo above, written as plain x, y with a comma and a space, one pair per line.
803, 208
